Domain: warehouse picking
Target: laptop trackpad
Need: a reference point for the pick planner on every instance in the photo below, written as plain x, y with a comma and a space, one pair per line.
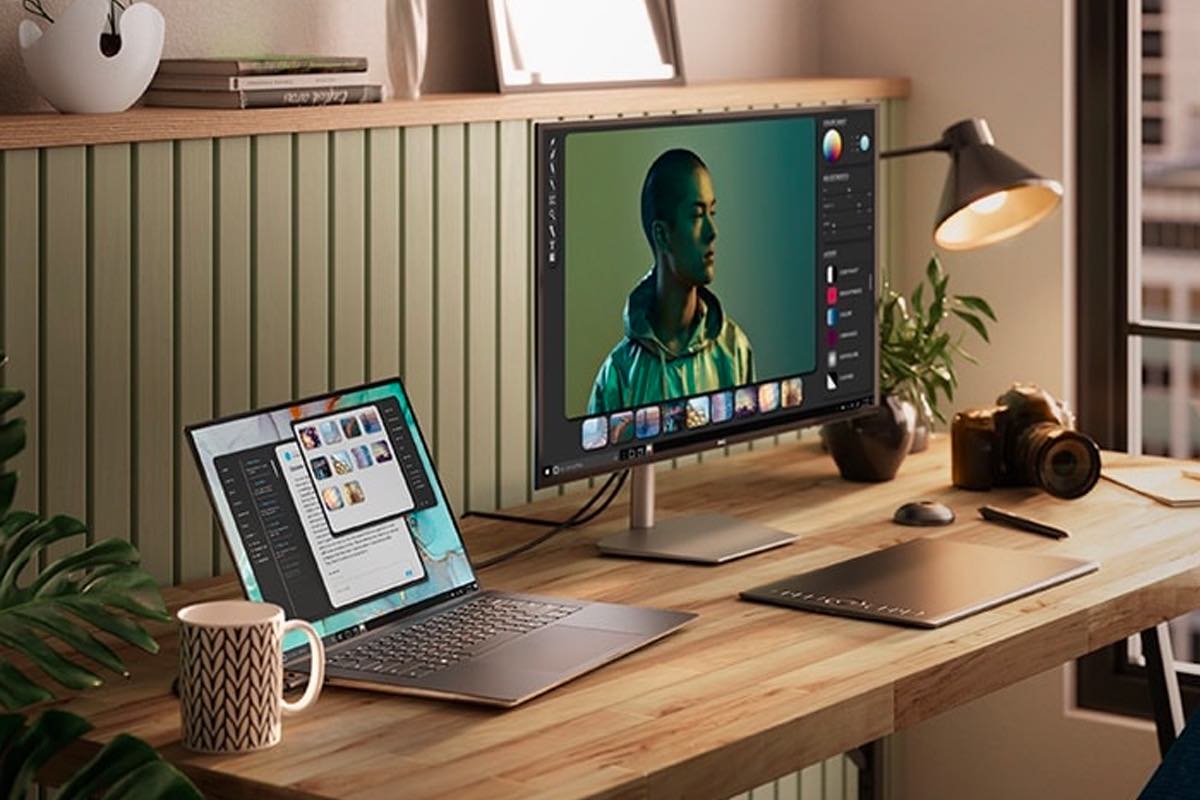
559, 648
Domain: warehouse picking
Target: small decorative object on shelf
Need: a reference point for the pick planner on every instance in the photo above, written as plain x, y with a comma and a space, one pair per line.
97, 57
262, 82
408, 43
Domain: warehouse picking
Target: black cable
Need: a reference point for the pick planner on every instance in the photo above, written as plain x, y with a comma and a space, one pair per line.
580, 517
548, 523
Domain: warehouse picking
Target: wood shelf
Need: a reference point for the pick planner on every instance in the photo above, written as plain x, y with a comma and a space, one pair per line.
19, 131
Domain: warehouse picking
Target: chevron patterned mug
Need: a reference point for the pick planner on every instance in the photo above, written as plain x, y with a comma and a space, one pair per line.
231, 674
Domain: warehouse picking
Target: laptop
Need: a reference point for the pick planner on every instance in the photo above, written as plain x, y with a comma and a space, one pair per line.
925, 583
331, 508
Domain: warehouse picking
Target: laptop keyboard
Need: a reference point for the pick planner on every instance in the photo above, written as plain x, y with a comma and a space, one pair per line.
445, 639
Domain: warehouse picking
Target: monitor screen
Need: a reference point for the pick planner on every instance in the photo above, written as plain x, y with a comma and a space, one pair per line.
331, 507
700, 280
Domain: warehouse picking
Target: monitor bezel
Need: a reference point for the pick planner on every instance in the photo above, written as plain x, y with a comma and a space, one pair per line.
682, 446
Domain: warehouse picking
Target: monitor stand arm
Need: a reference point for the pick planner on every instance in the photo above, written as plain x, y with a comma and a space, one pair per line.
701, 538
641, 497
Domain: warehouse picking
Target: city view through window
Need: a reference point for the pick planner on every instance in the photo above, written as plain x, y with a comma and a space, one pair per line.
1169, 263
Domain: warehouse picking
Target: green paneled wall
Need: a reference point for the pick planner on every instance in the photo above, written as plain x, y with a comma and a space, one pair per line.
147, 286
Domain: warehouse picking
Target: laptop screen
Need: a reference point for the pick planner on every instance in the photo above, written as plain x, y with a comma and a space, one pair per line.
331, 507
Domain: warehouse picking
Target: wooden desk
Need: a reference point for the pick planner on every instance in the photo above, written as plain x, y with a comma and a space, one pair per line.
744, 694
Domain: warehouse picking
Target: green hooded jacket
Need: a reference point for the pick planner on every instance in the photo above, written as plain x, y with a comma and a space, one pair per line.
640, 370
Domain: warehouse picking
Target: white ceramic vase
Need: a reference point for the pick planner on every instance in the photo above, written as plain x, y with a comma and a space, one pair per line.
66, 66
408, 41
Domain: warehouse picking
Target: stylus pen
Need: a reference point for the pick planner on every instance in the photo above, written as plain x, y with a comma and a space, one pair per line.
993, 514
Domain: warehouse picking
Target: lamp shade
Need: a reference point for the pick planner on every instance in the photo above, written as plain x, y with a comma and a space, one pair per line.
988, 196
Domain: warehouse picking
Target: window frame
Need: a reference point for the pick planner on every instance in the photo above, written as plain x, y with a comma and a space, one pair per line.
1108, 361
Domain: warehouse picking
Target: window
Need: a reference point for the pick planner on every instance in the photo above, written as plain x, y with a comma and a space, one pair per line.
1152, 44
1152, 87
1141, 288
1152, 130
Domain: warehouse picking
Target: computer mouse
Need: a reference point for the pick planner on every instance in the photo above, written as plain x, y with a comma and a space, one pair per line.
924, 512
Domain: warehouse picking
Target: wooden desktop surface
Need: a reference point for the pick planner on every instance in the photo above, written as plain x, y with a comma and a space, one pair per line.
742, 695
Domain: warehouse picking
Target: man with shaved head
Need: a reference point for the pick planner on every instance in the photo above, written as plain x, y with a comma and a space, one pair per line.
678, 341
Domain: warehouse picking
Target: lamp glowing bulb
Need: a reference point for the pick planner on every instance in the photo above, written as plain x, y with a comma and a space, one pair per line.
991, 203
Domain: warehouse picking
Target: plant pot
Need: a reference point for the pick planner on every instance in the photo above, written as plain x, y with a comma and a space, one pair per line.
920, 435
872, 447
68, 67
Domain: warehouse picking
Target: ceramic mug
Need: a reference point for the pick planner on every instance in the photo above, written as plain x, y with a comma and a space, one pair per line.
231, 675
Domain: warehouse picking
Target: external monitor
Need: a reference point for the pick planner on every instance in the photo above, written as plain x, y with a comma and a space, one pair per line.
700, 280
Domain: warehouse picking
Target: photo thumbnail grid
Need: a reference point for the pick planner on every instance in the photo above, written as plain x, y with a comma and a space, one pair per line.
675, 416
353, 468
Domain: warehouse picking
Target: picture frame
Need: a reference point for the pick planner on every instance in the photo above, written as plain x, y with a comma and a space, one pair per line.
551, 45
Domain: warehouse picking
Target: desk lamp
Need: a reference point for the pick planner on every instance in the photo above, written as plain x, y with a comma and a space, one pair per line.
989, 196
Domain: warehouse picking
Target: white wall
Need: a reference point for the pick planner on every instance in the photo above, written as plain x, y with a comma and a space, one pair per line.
1004, 62
718, 39
1017, 742
1011, 63
724, 40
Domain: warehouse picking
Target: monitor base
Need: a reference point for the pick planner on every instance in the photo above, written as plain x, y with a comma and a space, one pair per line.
698, 539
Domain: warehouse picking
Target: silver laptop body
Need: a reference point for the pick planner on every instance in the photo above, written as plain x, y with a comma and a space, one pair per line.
331, 508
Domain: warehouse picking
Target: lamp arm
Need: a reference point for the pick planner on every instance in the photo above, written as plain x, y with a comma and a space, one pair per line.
940, 146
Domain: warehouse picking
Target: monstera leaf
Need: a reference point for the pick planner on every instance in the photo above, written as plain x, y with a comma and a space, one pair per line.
99, 585
126, 769
46, 623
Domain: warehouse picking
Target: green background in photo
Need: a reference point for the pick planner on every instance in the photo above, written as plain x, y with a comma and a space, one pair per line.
763, 178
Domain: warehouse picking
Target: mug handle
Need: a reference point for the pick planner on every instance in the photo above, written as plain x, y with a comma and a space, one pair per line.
316, 674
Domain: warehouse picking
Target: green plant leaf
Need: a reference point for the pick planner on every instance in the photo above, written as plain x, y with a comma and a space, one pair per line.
12, 438
95, 586
128, 769
94, 613
9, 398
970, 358
937, 313
14, 522
975, 322
109, 551
48, 735
151, 781
17, 637
8, 490
131, 590
917, 299
933, 270
45, 618
18, 691
10, 726
24, 546
977, 304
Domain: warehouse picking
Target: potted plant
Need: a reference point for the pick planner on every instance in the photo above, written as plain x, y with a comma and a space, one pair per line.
916, 372
50, 618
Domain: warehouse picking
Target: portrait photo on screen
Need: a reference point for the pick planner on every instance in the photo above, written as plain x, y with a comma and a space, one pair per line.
689, 262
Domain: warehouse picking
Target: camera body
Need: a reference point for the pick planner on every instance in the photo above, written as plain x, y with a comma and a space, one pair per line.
1027, 439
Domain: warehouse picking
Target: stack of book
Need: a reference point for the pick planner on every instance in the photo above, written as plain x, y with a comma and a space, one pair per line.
261, 82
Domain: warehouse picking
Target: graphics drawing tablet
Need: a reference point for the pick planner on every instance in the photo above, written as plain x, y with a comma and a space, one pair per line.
924, 582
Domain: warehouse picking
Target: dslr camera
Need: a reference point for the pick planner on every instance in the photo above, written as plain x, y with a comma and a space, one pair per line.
1027, 439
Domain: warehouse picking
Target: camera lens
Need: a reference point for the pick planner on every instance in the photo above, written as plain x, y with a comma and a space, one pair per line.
1063, 462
